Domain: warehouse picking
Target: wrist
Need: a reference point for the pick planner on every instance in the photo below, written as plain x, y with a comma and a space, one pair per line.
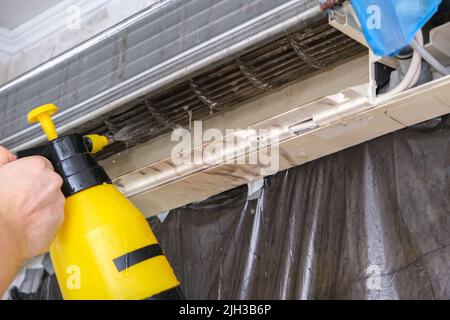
12, 258
11, 244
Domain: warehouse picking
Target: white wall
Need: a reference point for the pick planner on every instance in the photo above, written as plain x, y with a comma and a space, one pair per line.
4, 64
52, 32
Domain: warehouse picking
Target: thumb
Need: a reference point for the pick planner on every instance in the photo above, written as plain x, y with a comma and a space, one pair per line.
6, 156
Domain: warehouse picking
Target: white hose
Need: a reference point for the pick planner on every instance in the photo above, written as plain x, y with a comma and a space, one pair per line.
413, 73
419, 37
416, 77
428, 57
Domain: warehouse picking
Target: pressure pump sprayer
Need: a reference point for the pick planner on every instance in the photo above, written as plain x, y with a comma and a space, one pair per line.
105, 248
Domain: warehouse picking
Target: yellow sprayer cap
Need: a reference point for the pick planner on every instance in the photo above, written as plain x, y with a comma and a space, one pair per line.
43, 115
98, 142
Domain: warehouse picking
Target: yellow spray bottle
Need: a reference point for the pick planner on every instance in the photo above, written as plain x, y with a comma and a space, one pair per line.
105, 248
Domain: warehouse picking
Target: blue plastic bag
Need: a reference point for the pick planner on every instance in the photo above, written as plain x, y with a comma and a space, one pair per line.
390, 25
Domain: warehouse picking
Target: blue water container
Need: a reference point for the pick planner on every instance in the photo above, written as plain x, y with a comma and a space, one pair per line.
390, 25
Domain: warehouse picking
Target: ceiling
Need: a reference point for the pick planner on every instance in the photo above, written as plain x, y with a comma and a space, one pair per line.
13, 13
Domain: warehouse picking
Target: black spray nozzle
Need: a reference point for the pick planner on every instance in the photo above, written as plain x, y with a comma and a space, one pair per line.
71, 157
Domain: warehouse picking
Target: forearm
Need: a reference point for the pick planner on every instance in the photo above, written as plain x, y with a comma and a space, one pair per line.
10, 260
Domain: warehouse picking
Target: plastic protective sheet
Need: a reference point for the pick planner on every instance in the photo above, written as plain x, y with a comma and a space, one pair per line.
390, 25
370, 222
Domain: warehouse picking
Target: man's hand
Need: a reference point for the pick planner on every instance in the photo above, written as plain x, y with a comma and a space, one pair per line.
6, 156
31, 210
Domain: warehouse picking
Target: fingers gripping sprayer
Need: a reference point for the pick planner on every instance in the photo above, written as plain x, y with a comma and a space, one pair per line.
105, 249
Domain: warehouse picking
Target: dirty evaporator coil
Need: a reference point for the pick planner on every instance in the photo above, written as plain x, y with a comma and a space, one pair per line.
174, 63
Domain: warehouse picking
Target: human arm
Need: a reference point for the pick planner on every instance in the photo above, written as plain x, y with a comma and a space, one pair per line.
31, 211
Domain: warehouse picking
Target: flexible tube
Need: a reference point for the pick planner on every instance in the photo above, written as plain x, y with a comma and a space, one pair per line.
413, 73
428, 57
419, 39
